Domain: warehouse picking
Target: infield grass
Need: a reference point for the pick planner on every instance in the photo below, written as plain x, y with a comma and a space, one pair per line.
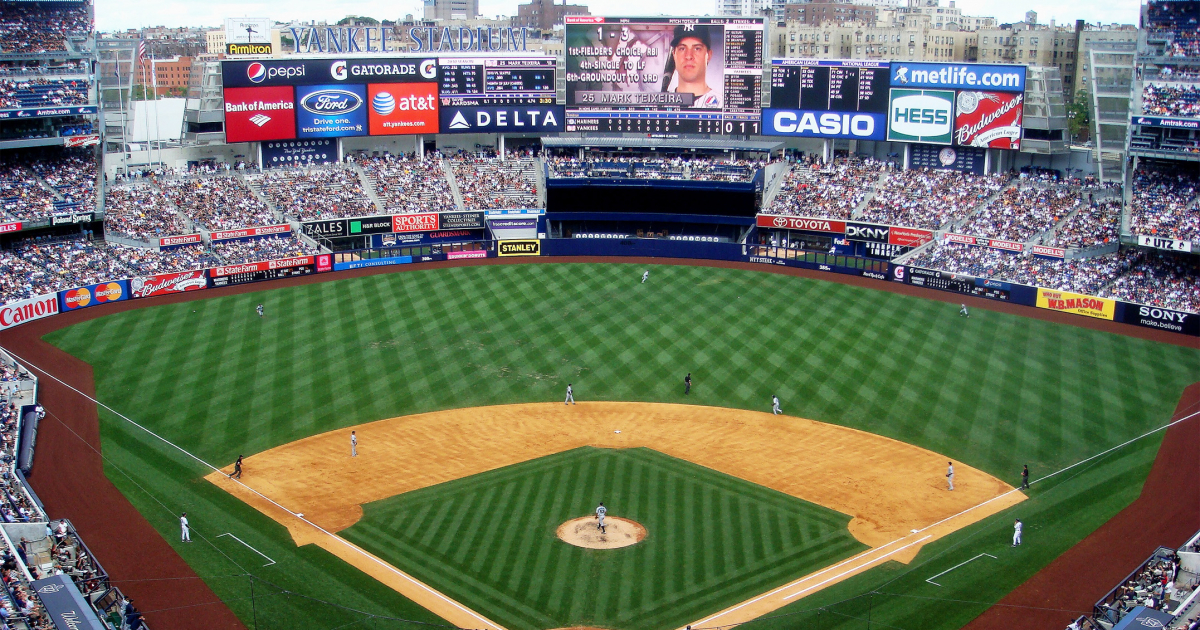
994, 391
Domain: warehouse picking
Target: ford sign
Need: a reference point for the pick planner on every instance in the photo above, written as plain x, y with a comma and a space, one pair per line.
330, 102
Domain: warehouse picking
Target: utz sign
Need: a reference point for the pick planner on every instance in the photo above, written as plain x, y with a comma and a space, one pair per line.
989, 119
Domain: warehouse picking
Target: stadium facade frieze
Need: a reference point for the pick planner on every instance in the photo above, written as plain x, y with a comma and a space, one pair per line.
421, 39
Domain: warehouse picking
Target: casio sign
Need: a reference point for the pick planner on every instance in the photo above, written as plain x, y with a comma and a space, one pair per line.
326, 102
829, 124
921, 115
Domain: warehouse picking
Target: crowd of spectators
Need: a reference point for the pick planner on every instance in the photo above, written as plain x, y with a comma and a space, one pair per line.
696, 168
218, 203
142, 261
831, 190
19, 603
489, 183
140, 211
37, 27
36, 267
1170, 100
22, 196
1152, 586
1163, 204
930, 199
42, 92
1094, 224
410, 184
1086, 275
1160, 280
315, 192
71, 172
1024, 210
965, 259
259, 249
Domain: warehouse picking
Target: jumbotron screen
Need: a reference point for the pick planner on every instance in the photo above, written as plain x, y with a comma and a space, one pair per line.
664, 75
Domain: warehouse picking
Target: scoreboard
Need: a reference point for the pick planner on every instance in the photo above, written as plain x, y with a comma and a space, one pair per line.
496, 81
830, 85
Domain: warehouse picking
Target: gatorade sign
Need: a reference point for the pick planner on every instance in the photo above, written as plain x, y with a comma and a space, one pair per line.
921, 116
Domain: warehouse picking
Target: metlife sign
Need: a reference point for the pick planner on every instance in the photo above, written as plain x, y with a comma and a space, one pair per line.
961, 76
502, 119
270, 72
824, 124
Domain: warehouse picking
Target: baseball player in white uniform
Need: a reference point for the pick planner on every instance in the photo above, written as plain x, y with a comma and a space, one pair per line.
600, 512
570, 395
775, 410
1017, 533
260, 310
963, 312
353, 444
950, 474
645, 275
185, 531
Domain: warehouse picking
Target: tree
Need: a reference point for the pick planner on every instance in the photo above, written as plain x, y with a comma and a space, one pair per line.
358, 19
1079, 116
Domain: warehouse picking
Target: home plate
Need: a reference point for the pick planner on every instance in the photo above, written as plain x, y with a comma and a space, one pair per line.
616, 431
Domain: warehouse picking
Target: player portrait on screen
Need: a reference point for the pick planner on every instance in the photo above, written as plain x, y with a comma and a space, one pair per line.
688, 66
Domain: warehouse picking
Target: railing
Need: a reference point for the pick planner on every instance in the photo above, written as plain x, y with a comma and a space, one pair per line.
1103, 609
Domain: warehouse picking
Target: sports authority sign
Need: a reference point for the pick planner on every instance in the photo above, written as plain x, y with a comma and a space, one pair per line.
164, 283
425, 222
988, 119
266, 230
1164, 243
801, 223
15, 313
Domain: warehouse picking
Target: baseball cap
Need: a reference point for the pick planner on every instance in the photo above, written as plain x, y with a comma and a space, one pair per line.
692, 30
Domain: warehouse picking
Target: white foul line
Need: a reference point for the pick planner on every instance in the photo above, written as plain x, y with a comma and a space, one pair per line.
930, 579
858, 568
249, 547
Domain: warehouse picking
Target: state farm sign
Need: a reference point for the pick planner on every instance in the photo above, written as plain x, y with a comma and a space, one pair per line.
28, 310
426, 222
801, 223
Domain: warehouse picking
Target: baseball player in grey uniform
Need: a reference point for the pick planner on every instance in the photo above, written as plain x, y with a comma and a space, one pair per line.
570, 395
645, 275
353, 444
775, 410
950, 474
600, 512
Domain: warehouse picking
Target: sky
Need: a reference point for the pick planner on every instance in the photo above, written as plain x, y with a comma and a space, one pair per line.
120, 15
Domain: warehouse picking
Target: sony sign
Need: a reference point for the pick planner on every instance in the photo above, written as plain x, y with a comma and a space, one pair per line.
823, 124
420, 39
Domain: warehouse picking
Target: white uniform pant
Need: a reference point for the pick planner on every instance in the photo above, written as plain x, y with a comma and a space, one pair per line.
601, 525
950, 478
186, 534
1016, 538
775, 409
570, 398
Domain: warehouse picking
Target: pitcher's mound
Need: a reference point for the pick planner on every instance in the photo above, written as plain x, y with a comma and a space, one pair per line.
619, 532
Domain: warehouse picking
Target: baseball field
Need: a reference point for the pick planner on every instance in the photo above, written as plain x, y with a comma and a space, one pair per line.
469, 461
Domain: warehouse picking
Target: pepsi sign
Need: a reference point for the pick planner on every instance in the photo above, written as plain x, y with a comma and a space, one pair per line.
236, 73
331, 111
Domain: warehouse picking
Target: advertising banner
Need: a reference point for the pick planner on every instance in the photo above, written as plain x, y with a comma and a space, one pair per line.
950, 237
27, 310
959, 76
461, 221
1066, 302
1164, 243
65, 605
1160, 318
329, 228
425, 222
71, 218
403, 108
392, 239
1173, 123
801, 223
48, 112
266, 230
294, 71
176, 241
266, 270
373, 262
821, 124
475, 253
867, 232
530, 247
370, 225
988, 119
921, 116
324, 263
501, 119
15, 226
93, 294
165, 283
1006, 245
1042, 251
259, 113
962, 159
89, 140
331, 111
299, 152
512, 224
909, 237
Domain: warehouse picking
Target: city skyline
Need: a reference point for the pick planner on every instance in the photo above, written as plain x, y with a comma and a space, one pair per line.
174, 13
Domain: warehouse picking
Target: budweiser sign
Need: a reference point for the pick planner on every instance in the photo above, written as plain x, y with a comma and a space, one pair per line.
165, 283
10, 227
1006, 245
426, 222
988, 119
186, 239
801, 223
1052, 252
225, 235
28, 310
959, 238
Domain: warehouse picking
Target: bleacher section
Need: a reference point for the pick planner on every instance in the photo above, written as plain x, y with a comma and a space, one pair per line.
317, 192
489, 183
42, 92
930, 199
141, 212
37, 28
409, 184
827, 190
1164, 203
218, 203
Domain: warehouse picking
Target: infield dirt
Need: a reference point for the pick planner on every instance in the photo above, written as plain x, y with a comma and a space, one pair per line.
889, 488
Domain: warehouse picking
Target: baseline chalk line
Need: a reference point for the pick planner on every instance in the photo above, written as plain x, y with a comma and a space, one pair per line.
930, 579
249, 547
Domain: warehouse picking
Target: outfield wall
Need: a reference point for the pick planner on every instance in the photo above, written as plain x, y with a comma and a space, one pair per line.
120, 289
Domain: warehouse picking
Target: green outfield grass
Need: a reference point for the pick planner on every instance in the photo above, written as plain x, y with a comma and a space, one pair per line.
993, 391
489, 540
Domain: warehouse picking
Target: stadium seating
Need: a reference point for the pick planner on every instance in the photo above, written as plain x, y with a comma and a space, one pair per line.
409, 184
218, 203
829, 191
36, 27
930, 199
254, 250
22, 196
1176, 23
1163, 204
42, 92
1091, 225
1159, 280
489, 183
698, 168
1023, 211
316, 192
140, 211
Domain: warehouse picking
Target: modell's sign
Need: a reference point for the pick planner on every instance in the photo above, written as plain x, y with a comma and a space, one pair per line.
267, 230
173, 241
16, 313
801, 223
165, 283
1006, 245
10, 227
988, 119
425, 222
951, 237
1049, 252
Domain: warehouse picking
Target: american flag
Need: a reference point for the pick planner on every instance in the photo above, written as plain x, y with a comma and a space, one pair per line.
141, 50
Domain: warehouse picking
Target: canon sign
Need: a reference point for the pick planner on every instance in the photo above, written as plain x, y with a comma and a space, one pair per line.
28, 310
867, 232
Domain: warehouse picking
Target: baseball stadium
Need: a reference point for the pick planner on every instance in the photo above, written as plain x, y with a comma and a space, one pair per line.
473, 332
